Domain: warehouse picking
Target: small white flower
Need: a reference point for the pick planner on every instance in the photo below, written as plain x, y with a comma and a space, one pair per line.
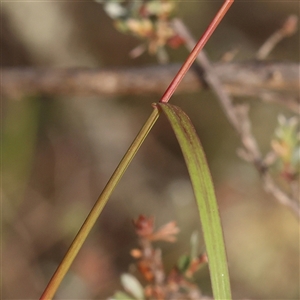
114, 10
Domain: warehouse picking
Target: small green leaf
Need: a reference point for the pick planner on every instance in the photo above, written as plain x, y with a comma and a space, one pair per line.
205, 196
183, 263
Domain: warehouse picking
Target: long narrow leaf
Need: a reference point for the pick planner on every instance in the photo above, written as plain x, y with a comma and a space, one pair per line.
205, 196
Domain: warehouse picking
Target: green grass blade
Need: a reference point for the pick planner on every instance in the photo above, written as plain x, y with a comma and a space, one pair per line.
205, 196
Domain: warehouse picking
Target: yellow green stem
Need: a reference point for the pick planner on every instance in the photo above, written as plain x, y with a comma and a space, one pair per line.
97, 209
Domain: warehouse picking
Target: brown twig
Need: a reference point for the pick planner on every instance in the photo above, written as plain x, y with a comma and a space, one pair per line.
239, 79
238, 117
289, 28
282, 198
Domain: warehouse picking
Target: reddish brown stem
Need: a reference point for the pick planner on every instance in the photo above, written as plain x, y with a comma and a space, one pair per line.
199, 46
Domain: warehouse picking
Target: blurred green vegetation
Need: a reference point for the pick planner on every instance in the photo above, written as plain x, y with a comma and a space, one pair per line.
20, 130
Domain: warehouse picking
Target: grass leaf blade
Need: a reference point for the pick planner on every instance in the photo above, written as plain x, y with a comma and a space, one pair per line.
205, 196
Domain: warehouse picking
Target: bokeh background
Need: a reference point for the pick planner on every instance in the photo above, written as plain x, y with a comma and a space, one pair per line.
58, 153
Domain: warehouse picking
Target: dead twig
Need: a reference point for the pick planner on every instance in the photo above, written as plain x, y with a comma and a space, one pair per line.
238, 79
238, 117
289, 28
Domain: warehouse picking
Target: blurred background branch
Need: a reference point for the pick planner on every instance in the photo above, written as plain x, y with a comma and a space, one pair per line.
239, 79
289, 28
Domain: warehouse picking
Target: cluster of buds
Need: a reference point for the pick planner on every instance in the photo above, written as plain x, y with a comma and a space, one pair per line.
286, 147
148, 20
178, 284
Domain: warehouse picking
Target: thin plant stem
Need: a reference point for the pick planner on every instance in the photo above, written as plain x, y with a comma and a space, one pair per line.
116, 176
193, 55
97, 209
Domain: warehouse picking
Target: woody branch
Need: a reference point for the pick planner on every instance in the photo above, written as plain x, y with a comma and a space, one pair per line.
262, 79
